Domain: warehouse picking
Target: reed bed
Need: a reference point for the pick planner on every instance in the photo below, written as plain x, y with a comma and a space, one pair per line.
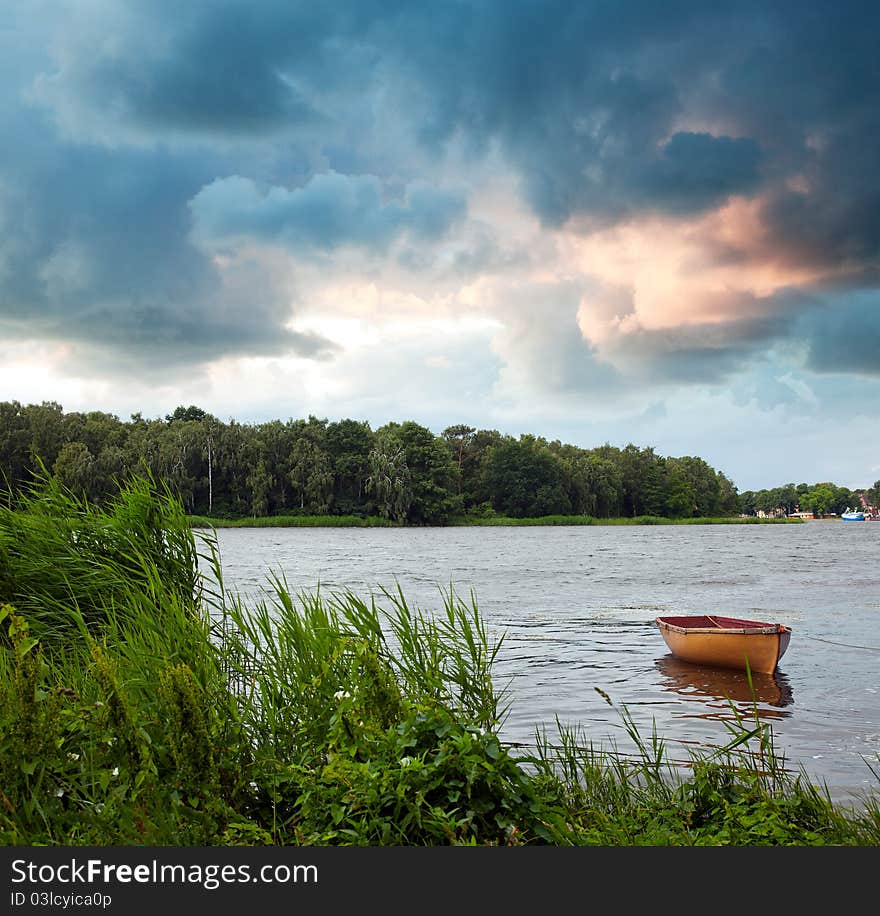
141, 703
356, 521
293, 521
635, 520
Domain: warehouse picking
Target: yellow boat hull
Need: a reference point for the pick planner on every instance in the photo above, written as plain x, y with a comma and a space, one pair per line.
725, 642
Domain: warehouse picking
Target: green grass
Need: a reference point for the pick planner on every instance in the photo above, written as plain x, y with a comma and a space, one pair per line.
155, 708
292, 521
64, 562
354, 521
636, 520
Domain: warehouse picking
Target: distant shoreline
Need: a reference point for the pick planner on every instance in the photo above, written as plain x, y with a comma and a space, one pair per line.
355, 521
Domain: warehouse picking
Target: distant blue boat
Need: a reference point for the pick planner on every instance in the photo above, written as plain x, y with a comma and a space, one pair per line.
853, 515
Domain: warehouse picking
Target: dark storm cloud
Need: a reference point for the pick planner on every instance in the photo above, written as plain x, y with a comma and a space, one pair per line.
330, 211
585, 98
95, 249
710, 168
840, 332
703, 352
605, 110
844, 337
218, 66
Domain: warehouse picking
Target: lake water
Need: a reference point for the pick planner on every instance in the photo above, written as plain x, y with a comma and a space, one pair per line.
576, 606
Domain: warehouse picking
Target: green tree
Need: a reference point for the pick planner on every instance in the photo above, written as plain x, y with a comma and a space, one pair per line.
473, 491
259, 482
821, 498
643, 476
432, 474
459, 438
524, 479
747, 502
191, 414
727, 495
769, 501
15, 455
276, 441
843, 499
701, 479
430, 471
234, 452
180, 459
594, 482
606, 485
348, 444
45, 423
389, 479
681, 501
788, 498
311, 475
74, 469
111, 469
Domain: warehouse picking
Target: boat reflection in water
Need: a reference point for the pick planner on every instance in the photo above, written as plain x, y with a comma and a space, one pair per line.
768, 693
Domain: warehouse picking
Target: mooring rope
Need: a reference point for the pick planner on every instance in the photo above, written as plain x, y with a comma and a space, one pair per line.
846, 645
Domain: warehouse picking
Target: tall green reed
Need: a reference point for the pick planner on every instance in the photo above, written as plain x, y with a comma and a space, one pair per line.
63, 560
739, 794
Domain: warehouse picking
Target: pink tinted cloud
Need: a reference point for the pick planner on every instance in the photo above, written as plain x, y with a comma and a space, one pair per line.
657, 273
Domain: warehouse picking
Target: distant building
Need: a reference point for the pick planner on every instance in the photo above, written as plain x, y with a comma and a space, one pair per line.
799, 513
870, 510
778, 512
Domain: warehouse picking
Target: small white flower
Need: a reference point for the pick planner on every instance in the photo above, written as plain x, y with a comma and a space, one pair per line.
72, 756
114, 771
59, 792
405, 761
99, 807
341, 695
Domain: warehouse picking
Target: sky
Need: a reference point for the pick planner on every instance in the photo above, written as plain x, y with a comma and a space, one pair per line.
597, 222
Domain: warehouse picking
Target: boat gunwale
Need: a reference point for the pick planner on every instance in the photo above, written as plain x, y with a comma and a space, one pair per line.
745, 631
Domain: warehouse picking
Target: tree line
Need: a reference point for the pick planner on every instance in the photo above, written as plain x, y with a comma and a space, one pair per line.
401, 471
820, 498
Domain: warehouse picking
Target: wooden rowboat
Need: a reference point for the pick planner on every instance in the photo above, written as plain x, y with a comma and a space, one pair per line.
725, 642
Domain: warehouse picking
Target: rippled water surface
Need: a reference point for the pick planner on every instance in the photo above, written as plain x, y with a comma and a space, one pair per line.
576, 606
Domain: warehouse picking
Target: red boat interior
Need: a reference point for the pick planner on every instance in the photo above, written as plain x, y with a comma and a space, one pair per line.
722, 623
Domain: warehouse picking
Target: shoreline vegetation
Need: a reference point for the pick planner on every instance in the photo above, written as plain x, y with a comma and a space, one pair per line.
354, 521
141, 703
402, 472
